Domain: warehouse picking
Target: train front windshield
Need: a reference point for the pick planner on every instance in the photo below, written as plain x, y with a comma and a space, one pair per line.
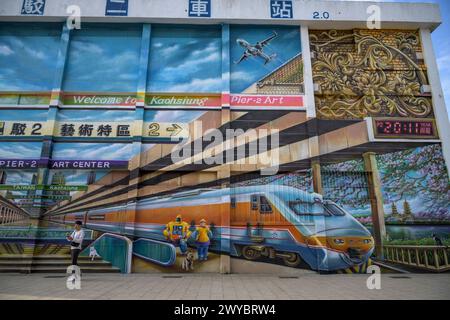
308, 208
334, 209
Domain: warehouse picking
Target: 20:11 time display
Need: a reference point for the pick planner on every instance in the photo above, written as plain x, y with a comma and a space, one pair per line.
398, 128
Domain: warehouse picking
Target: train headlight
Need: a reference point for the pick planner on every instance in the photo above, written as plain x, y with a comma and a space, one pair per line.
339, 241
367, 241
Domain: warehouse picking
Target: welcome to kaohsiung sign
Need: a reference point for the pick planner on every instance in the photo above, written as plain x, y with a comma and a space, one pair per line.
156, 100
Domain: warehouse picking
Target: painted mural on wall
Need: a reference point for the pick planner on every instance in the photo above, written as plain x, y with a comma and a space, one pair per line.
415, 190
105, 155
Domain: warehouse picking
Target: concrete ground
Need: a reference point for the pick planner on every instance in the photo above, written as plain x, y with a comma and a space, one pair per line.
232, 287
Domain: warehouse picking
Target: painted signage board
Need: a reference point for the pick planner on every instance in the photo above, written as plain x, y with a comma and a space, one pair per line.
31, 187
405, 128
81, 99
87, 130
183, 101
256, 101
62, 164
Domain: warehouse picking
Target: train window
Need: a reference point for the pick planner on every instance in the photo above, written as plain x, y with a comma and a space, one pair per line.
307, 208
254, 202
96, 217
264, 205
334, 209
233, 202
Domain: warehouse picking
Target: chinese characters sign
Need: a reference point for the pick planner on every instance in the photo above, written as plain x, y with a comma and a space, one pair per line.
33, 7
94, 129
154, 130
116, 8
199, 8
21, 128
281, 9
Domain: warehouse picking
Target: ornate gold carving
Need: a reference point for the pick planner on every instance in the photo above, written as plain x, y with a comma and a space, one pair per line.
368, 73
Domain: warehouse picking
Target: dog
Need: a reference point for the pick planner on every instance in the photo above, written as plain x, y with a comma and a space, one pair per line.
188, 262
93, 253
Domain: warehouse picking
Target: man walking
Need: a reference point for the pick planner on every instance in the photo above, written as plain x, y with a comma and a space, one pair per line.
76, 240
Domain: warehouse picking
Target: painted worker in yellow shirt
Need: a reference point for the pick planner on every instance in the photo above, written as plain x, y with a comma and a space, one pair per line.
178, 232
202, 237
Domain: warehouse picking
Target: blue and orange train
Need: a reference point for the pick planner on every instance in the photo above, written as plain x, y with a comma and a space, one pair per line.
252, 222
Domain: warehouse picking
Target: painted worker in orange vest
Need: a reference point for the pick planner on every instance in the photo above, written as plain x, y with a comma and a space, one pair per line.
202, 236
178, 232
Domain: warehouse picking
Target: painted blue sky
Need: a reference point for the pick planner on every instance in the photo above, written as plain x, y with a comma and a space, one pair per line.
19, 176
286, 45
22, 115
185, 116
104, 58
185, 59
93, 151
121, 115
20, 150
95, 115
27, 56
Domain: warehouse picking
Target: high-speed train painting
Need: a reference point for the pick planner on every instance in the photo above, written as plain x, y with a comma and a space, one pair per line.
267, 221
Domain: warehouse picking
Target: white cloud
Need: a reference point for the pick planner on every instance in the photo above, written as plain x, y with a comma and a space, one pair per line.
443, 60
241, 76
198, 85
18, 177
177, 115
7, 85
190, 66
22, 151
95, 151
109, 72
445, 82
96, 116
169, 50
193, 62
5, 50
78, 47
212, 47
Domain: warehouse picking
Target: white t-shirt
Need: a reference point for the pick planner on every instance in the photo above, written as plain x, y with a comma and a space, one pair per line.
78, 237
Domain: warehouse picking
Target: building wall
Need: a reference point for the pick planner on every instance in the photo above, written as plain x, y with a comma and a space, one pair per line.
113, 125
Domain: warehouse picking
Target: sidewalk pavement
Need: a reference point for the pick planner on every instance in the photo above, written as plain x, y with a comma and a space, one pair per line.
230, 287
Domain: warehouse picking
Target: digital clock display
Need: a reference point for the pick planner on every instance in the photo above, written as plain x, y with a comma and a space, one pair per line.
403, 128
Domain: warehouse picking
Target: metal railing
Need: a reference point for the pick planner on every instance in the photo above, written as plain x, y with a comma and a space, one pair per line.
113, 248
430, 258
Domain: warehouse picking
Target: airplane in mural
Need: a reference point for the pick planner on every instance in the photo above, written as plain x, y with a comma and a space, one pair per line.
257, 49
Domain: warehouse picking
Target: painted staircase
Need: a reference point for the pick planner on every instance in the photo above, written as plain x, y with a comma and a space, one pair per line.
52, 264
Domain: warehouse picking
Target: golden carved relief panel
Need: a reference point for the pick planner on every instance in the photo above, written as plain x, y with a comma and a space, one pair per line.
360, 73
